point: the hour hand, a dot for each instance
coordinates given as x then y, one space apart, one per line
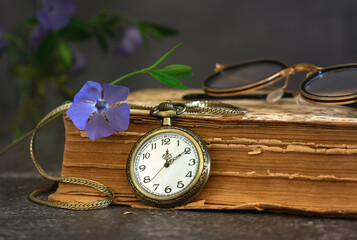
175 158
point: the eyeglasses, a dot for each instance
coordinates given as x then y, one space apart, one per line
335 85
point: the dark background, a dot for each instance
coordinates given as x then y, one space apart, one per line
318 32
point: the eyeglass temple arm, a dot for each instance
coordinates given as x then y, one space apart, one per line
290 70
219 67
287 72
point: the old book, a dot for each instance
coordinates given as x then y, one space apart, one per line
278 157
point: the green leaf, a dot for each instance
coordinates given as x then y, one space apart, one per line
32 21
163 57
176 68
17 133
78 23
165 30
147 29
100 17
167 79
27 72
110 32
66 54
112 21
103 21
182 75
159 30
46 49
145 39
75 34
102 42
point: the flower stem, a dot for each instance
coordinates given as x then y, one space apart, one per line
17 141
163 57
145 70
124 16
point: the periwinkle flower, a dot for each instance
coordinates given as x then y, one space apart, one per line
106 118
128 41
55 14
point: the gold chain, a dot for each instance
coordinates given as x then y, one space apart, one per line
193 107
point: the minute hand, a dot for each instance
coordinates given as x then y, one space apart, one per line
174 158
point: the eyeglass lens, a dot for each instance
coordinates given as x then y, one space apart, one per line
333 83
244 74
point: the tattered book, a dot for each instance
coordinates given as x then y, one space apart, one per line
277 157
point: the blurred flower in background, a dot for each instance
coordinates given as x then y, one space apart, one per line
128 41
44 52
55 14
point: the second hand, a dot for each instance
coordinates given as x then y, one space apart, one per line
158 172
166 157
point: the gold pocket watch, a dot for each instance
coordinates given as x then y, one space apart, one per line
169 165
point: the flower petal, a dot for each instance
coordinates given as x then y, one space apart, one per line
128 40
58 13
91 91
124 47
134 35
119 116
79 113
43 19
113 93
98 127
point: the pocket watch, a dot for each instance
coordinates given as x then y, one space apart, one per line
169 165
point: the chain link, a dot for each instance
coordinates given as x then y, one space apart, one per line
212 107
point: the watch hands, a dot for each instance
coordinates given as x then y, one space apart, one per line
175 158
157 173
167 156
168 161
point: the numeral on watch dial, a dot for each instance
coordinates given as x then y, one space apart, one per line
167 164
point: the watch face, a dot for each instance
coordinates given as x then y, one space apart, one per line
168 166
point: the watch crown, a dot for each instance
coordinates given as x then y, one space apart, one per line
165 106
168 109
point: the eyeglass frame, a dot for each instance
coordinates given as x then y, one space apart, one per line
286 72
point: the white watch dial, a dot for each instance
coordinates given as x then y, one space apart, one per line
166 164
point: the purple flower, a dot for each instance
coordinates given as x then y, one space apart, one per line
128 41
3 43
55 14
106 119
